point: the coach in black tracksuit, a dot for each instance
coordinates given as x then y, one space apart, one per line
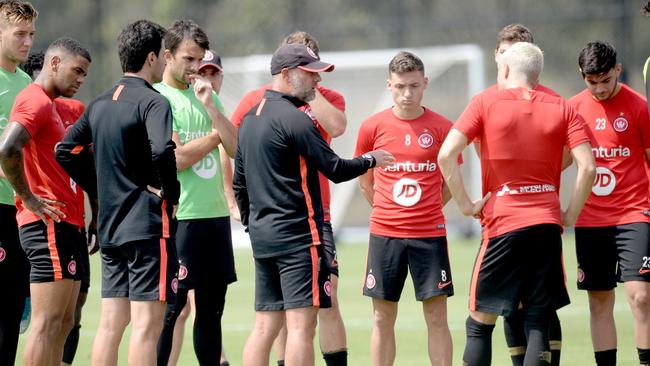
276 184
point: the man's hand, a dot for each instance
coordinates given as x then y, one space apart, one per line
568 219
475 208
158 192
202 90
44 208
93 243
382 158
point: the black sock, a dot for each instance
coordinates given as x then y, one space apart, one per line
513 327
606 358
555 339
478 350
339 358
71 343
280 362
538 352
167 334
644 356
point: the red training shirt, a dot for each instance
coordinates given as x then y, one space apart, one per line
37 113
253 98
522 137
621 133
70 110
407 200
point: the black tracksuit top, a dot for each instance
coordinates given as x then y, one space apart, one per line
130 130
279 154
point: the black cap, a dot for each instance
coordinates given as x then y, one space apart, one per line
211 59
294 55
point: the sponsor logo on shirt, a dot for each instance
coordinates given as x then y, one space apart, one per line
532 188
425 140
602 152
407 192
206 168
605 182
410 167
620 124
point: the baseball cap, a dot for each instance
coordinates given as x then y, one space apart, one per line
294 55
211 59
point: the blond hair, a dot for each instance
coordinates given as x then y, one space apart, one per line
526 61
14 11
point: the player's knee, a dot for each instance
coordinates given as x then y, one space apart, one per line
640 301
384 317
600 303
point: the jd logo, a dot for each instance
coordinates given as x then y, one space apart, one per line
605 182
407 192
206 168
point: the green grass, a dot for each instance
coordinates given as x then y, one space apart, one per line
410 328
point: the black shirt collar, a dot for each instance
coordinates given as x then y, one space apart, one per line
272 94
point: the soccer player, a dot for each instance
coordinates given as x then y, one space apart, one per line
70 110
613 230
17 20
513 326
327 110
407 227
523 133
203 239
276 184
131 169
212 70
645 10
49 221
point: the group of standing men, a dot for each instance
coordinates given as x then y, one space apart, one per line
151 153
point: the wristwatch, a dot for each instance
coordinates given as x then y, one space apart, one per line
371 159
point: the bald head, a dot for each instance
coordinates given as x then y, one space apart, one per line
522 62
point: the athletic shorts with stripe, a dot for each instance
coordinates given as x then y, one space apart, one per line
85 258
522 266
55 251
295 280
205 255
329 248
607 255
389 260
143 270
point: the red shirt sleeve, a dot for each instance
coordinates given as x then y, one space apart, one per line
470 123
248 101
365 138
31 111
576 133
333 97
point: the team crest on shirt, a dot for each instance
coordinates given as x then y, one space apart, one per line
425 140
581 275
182 272
3 254
72 267
327 287
620 124
371 282
174 285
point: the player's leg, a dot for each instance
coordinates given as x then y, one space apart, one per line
115 313
513 328
386 270
72 340
153 266
179 333
146 325
14 266
210 302
478 346
280 344
223 361
258 346
555 339
269 313
301 328
333 343
597 258
428 261
168 332
634 262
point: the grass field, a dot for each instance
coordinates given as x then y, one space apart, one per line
410 328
